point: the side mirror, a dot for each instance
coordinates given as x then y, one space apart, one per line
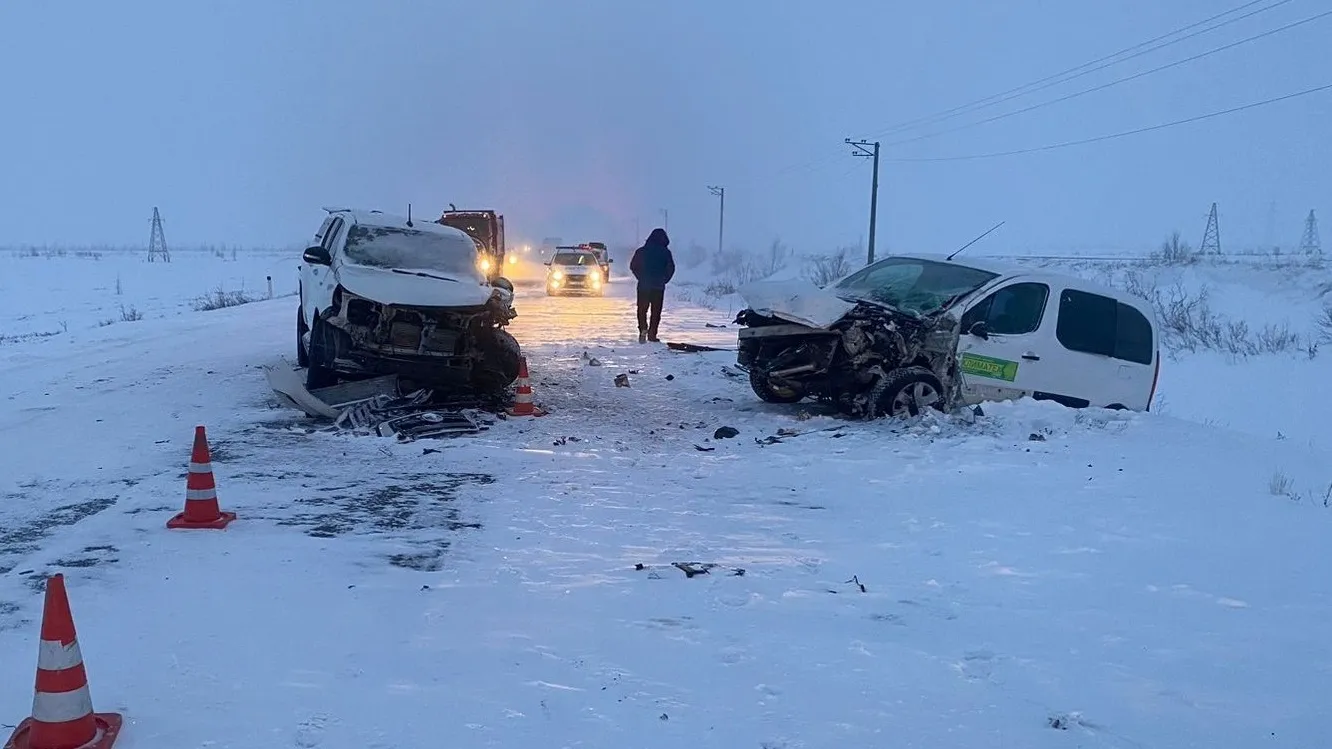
503 283
980 330
317 255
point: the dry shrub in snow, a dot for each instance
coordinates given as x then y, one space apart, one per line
220 299
826 269
1325 325
1188 322
1175 251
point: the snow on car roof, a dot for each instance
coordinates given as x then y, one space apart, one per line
379 218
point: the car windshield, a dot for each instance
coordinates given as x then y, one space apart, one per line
411 250
919 286
573 258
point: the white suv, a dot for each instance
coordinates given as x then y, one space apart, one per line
382 294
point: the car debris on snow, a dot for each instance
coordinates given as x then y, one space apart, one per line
622 380
725 433
693 348
691 569
376 406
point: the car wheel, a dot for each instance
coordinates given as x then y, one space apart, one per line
302 356
770 393
906 392
501 356
323 350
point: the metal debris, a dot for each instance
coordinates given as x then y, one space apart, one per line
376 406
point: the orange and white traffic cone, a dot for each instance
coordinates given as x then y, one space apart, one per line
201 510
522 401
62 713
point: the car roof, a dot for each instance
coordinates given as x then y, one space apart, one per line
379 218
1012 270
979 262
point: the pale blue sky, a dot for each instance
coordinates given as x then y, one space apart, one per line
241 118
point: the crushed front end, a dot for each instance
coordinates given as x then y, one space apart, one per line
848 362
451 347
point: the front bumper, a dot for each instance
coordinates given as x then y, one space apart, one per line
575 285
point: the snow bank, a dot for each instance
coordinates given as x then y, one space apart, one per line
50 295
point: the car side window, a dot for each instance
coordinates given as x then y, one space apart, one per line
322 234
330 237
1012 310
1133 336
1096 324
1087 322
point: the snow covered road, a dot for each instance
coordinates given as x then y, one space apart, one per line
1041 578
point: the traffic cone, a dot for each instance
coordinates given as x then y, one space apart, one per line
201 510
522 401
62 713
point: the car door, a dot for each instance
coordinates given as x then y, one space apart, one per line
1108 349
1004 351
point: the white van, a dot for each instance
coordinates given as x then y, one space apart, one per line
911 331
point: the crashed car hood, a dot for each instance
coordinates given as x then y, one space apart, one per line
409 289
796 301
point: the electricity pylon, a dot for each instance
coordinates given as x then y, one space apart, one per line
157 246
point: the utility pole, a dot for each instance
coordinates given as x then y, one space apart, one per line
157 246
1211 244
665 220
720 192
862 149
1310 243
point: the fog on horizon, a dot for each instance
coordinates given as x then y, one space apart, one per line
586 120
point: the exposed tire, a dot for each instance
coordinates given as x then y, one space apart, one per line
302 356
501 356
770 393
323 350
906 392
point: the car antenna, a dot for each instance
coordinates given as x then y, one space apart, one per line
974 241
409 215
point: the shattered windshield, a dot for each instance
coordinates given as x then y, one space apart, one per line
410 249
919 286
573 258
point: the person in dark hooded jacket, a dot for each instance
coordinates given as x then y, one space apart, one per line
653 266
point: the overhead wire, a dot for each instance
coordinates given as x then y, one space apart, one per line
1108 60
1124 134
1117 81
812 165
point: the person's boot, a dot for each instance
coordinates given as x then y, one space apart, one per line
642 336
652 336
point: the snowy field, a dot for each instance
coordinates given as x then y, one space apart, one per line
1036 577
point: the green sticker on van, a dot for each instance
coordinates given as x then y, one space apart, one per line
988 366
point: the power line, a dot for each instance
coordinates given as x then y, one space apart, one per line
1117 81
812 164
1124 134
1049 81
